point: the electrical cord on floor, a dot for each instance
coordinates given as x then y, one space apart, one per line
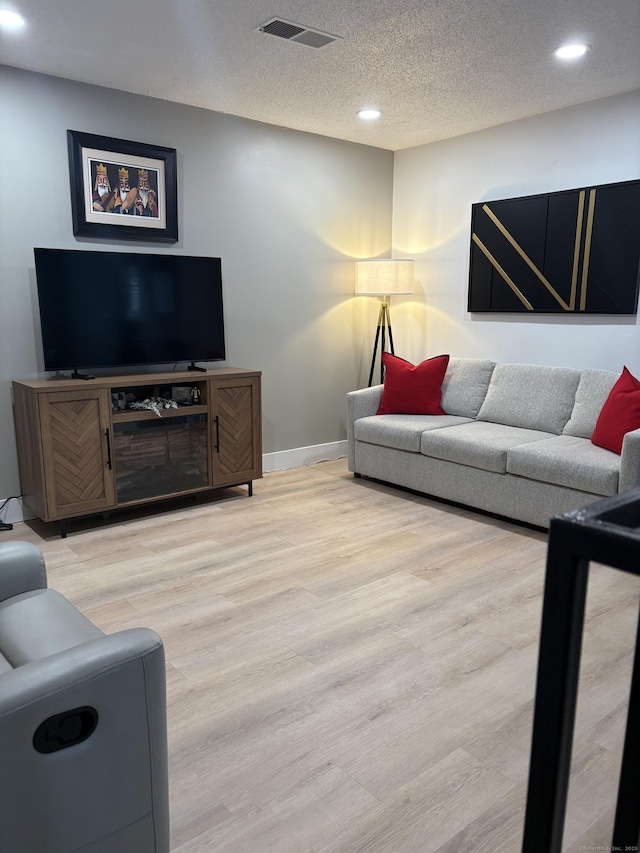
5 525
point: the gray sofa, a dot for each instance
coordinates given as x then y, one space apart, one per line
83 739
515 441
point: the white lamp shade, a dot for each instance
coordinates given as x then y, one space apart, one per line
384 277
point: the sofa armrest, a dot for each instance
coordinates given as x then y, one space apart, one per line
22 569
123 762
360 404
630 462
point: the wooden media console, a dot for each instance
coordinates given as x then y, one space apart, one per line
83 450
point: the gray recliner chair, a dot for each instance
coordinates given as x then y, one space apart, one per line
83 735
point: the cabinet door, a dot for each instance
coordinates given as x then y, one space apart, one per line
236 444
76 436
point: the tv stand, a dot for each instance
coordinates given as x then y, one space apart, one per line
194 366
77 375
81 453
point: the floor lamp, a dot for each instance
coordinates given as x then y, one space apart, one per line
383 278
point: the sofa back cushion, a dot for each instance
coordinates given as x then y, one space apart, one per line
465 386
531 396
593 390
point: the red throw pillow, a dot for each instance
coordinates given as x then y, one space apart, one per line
620 413
412 389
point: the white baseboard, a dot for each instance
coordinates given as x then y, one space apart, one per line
278 461
299 456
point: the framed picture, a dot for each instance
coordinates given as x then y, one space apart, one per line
122 190
572 252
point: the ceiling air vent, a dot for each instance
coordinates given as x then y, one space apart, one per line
294 32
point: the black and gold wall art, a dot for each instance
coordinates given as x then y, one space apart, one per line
570 252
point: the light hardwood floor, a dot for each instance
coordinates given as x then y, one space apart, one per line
350 668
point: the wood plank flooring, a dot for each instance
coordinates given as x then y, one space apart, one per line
350 668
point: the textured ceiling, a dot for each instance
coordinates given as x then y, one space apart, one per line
436 68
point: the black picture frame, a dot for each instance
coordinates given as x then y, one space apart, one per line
149 214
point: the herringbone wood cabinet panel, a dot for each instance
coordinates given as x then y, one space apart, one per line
237 451
75 435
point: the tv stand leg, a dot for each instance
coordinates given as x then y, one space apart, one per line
194 366
250 488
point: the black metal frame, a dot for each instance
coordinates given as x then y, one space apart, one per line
384 324
607 532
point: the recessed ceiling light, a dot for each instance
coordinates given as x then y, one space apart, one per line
369 114
571 51
10 20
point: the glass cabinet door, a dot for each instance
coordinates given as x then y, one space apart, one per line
158 457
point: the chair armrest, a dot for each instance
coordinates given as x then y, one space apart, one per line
122 763
360 404
630 462
22 569
76 671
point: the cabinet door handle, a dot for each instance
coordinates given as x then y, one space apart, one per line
217 423
108 438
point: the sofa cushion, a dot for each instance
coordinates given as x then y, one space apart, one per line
5 666
568 461
412 389
479 444
620 413
37 624
401 431
530 396
593 390
465 386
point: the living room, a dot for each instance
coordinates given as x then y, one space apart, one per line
289 212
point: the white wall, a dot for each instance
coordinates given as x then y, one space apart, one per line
434 188
286 211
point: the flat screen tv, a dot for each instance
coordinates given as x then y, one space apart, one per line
116 309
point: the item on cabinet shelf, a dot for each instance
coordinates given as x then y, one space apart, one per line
181 394
118 401
195 395
154 404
